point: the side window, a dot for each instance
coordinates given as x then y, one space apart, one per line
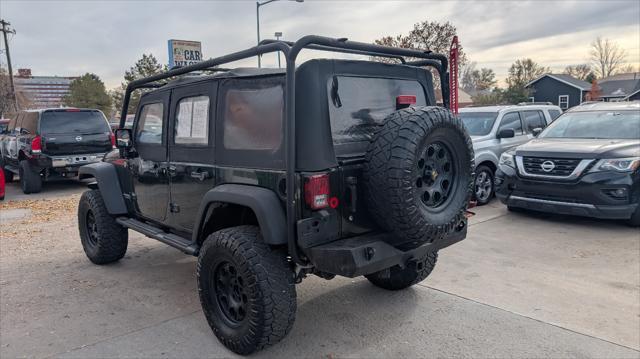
29 123
533 119
192 121
554 114
253 117
150 127
511 120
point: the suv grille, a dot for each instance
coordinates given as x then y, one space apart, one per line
561 167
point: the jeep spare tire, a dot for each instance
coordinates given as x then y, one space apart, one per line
418 174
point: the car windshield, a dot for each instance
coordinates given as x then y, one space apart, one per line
478 123
81 122
595 125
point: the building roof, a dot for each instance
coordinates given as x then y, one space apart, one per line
621 85
566 79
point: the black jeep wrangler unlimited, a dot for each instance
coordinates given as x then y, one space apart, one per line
335 167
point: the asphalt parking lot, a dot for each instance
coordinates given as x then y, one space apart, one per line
520 285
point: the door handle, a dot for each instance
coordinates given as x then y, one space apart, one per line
199 175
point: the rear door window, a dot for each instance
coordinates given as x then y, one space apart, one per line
192 121
511 120
534 119
358 105
73 122
554 114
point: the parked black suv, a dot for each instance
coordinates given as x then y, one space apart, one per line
334 167
41 145
587 162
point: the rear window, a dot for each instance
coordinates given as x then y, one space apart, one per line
358 105
81 122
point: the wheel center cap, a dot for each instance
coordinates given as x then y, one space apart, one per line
434 175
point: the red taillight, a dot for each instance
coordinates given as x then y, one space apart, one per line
36 144
73 110
316 191
404 101
113 140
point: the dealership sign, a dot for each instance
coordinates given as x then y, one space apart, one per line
184 53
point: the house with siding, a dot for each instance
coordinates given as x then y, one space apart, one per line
621 87
559 89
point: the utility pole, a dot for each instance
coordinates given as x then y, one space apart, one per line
5 31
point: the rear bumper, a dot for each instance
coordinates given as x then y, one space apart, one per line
64 164
371 253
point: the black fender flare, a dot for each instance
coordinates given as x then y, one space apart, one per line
107 177
265 204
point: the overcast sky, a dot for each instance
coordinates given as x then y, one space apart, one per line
69 38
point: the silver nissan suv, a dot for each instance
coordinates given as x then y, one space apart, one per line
496 129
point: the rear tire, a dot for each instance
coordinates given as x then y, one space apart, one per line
8 175
103 239
483 185
246 289
396 278
30 179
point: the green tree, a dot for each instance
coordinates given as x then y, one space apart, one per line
521 73
425 35
88 91
477 80
146 66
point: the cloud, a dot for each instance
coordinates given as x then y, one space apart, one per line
106 37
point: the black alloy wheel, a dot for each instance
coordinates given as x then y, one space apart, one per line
435 175
230 294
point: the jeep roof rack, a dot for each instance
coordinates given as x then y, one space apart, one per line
291 50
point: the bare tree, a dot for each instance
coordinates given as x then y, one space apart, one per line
474 80
580 72
607 57
627 69
425 35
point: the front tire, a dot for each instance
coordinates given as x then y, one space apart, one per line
397 278
103 239
30 179
246 289
483 185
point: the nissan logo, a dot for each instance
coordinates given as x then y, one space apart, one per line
78 138
547 166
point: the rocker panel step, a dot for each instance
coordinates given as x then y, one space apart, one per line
183 244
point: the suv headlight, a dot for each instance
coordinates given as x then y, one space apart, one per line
617 164
506 159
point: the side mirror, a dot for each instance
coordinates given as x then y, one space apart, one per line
506 133
123 138
536 131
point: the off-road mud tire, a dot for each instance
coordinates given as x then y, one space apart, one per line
266 289
396 278
392 167
103 239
